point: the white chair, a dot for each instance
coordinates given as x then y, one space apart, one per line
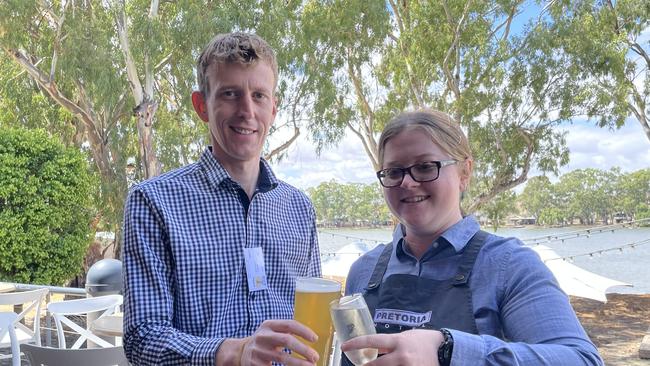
16 332
63 309
7 319
79 357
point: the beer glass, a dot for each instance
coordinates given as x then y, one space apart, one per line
352 319
311 306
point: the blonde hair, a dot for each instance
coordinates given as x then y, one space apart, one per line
241 48
443 130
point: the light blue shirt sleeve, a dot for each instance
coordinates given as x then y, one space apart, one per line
538 322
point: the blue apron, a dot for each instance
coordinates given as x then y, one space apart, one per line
404 301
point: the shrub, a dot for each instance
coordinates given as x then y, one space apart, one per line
45 200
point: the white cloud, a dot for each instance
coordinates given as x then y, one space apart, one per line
347 163
591 147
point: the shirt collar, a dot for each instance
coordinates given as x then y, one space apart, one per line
458 235
218 175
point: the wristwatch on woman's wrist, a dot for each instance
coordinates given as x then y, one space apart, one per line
446 348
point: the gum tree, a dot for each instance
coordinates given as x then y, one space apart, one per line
116 78
609 42
505 87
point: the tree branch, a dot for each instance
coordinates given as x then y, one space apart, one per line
285 145
451 80
415 89
501 183
131 69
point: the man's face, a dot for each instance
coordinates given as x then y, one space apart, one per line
239 111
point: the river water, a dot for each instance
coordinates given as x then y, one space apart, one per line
627 264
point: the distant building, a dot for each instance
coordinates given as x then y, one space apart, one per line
620 217
519 220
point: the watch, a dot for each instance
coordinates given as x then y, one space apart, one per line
446 348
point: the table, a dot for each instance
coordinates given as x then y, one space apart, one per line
6 287
109 325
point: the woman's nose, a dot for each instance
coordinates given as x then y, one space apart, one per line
408 181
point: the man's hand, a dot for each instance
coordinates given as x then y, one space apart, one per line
417 347
266 345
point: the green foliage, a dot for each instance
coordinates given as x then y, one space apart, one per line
498 209
537 195
45 200
349 204
633 194
344 64
587 195
459 57
604 45
90 73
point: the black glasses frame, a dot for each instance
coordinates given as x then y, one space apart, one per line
384 172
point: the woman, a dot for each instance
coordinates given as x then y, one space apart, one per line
444 292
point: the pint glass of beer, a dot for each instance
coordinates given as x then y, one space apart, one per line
311 308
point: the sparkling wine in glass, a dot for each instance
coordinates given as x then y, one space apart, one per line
351 319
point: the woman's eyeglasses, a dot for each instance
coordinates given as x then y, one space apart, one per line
421 172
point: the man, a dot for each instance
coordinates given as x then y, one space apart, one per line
211 250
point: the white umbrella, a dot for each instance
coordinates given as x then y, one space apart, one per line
574 280
338 264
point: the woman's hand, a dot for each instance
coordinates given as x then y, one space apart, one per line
416 347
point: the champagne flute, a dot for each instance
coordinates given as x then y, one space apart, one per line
351 319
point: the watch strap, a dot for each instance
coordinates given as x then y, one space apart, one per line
446 348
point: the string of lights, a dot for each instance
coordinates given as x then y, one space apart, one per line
333 254
353 237
600 252
588 232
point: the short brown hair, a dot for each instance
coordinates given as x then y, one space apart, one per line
241 48
443 130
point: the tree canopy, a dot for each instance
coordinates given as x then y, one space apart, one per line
462 58
588 195
609 43
114 78
349 204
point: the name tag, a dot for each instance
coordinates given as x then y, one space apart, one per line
255 271
402 317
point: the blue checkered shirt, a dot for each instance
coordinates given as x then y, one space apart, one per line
184 274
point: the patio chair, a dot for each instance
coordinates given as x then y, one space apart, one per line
12 331
62 312
7 319
81 357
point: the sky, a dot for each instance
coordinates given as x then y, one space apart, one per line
589 146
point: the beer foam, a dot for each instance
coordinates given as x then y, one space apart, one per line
316 284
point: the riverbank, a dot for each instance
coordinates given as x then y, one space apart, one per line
616 327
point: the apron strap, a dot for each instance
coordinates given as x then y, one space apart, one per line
380 267
469 257
464 269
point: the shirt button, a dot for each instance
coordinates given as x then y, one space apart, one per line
459 277
435 245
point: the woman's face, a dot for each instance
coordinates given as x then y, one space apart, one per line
428 208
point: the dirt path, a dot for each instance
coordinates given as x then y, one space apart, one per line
616 327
